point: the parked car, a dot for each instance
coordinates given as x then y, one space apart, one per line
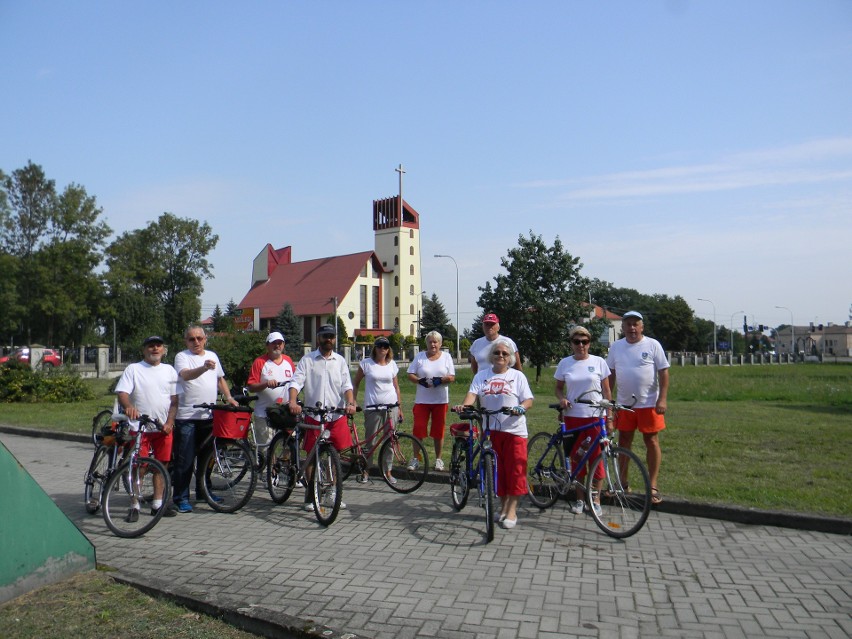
50 359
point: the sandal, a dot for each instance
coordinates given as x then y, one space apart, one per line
656 498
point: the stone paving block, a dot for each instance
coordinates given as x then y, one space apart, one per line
408 566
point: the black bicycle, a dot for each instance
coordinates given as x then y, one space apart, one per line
130 491
319 470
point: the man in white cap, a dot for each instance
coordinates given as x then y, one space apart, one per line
642 370
269 378
481 347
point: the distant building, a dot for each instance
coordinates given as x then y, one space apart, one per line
831 339
375 292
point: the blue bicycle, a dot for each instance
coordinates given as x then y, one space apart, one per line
616 509
474 462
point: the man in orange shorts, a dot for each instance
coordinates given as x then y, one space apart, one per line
642 370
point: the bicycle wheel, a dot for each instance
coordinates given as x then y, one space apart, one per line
281 469
622 512
547 470
98 422
487 484
229 475
93 482
126 501
394 457
327 484
459 485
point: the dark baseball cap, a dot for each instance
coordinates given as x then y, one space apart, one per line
325 329
381 341
154 339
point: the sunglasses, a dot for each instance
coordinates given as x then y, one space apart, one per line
194 339
501 354
382 346
580 341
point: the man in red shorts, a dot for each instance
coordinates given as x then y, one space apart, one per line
642 371
149 388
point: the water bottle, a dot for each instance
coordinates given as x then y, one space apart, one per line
581 451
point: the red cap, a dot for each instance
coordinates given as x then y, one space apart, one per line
490 318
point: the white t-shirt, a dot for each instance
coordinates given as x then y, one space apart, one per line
378 382
150 389
503 390
201 390
636 366
422 366
581 376
480 348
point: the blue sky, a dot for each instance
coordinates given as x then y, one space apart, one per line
701 149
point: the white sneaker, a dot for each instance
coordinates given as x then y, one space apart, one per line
308 507
414 464
576 507
508 524
391 479
439 464
597 509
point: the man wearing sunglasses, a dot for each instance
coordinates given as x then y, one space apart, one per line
642 369
200 378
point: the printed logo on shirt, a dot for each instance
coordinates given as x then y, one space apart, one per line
646 355
591 369
497 386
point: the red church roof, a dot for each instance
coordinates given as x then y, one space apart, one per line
308 286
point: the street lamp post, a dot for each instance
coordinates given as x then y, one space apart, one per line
701 299
792 332
458 323
732 335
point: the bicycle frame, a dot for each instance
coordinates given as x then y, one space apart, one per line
477 448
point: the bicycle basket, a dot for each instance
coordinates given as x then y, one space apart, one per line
231 422
115 433
279 417
462 429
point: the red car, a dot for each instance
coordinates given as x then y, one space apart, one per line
50 359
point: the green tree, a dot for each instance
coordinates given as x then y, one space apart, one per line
538 299
237 352
434 318
291 327
161 266
56 242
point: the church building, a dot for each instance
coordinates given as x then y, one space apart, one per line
374 292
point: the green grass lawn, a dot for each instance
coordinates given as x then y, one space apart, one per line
769 437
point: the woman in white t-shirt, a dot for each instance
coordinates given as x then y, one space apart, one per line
381 387
498 386
431 370
584 375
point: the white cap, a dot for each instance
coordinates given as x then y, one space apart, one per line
274 337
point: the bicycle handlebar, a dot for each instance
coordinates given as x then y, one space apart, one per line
380 406
143 420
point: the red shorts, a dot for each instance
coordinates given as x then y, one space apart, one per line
422 414
340 438
511 463
579 438
647 420
159 443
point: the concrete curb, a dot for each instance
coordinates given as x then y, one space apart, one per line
257 620
737 514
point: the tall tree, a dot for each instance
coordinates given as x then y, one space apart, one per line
57 242
434 318
538 299
291 327
163 266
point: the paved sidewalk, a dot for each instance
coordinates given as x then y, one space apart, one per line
397 566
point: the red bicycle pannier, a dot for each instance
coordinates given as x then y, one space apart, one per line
231 422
